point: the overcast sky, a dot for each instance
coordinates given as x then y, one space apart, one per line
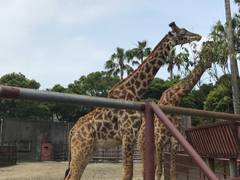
57 41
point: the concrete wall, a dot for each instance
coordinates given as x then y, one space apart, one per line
28 135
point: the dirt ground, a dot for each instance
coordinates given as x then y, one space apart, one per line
55 171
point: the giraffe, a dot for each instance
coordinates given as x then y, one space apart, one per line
172 97
106 127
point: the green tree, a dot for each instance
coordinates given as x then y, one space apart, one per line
158 86
220 97
178 60
65 112
19 80
22 108
232 57
136 55
228 36
117 65
94 84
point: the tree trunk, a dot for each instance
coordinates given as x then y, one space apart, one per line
233 61
171 74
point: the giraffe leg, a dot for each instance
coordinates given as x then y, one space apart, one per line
159 132
159 160
81 151
173 155
127 146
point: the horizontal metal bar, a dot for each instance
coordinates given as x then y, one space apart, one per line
202 113
48 96
189 149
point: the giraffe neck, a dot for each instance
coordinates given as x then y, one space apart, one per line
135 85
173 95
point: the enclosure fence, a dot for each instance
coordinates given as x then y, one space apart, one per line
149 109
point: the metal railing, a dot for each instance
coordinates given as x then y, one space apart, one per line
48 96
149 108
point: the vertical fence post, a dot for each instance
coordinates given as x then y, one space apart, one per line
149 145
1 130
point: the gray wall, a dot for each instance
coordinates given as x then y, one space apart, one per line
22 131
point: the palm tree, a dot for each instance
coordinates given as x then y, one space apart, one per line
233 61
177 60
137 54
219 33
116 64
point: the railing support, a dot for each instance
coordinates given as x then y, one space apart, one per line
149 145
189 149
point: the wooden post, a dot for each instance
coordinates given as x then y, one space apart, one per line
225 169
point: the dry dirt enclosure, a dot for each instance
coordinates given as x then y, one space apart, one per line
55 171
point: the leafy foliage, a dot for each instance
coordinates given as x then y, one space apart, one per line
219 36
179 60
220 97
22 108
65 112
136 55
158 86
117 65
19 80
94 84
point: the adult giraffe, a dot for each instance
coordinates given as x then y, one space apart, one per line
106 127
172 97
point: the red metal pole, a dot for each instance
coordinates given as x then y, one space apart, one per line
174 131
149 145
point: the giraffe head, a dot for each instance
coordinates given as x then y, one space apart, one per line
182 36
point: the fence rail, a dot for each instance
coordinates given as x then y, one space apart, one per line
48 96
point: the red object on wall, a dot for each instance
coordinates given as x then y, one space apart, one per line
46 152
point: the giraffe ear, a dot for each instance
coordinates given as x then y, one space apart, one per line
174 27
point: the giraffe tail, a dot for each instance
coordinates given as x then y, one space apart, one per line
69 154
66 172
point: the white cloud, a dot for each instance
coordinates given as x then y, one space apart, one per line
57 41
28 43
